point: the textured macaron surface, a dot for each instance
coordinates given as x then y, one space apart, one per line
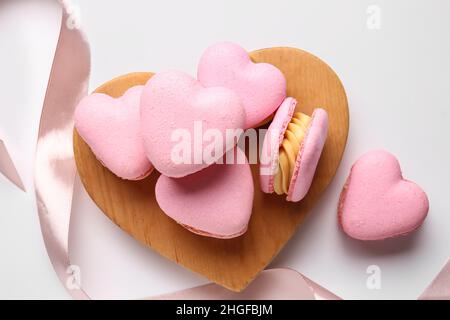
377 203
215 202
110 126
261 86
184 125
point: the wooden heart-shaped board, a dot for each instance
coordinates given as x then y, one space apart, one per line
232 263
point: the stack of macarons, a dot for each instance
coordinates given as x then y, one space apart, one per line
156 126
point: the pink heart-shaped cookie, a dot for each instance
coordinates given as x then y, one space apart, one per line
261 86
111 129
185 125
215 202
377 203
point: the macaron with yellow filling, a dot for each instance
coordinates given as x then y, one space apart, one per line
291 151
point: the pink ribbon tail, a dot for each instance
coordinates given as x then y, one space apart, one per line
320 293
7 167
55 169
272 284
439 289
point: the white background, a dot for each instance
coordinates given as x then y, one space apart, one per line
397 80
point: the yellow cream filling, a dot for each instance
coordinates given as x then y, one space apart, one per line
289 149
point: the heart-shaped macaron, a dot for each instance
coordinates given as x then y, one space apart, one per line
291 151
261 86
185 125
110 126
377 203
215 202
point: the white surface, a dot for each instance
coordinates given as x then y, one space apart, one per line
397 80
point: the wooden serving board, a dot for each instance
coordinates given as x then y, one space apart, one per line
231 263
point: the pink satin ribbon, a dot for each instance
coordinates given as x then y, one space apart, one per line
54 173
439 288
7 167
54 180
272 284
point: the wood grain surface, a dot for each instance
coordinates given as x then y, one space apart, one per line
231 263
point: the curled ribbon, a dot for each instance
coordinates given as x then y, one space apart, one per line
55 172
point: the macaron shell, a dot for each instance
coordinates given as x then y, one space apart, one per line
309 156
377 203
271 145
174 103
261 86
215 202
110 127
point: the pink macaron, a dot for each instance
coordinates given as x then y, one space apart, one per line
377 202
291 151
110 127
184 124
215 202
261 86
